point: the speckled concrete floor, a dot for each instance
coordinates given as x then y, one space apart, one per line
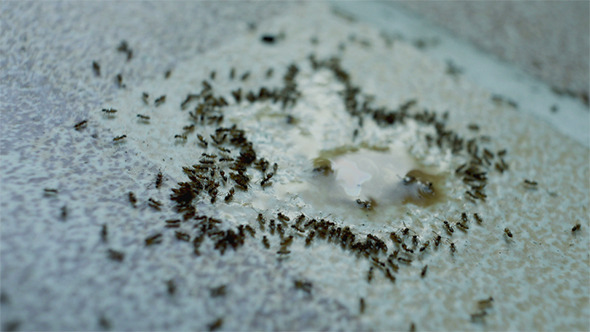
549 39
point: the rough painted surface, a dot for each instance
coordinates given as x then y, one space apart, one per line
548 39
56 273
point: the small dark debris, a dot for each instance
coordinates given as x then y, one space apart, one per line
104 233
216 325
305 286
171 287
116 255
4 298
104 323
268 39
218 291
64 213
96 68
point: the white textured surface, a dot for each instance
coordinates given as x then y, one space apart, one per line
549 39
57 275
571 116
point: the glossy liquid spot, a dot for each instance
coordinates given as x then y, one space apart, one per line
369 183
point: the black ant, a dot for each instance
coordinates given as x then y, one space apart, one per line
477 218
283 217
507 232
485 304
404 260
158 180
424 246
119 79
81 125
171 286
104 233
370 274
160 101
423 273
64 212
132 199
116 255
448 228
203 142
50 191
144 118
218 291
154 204
182 236
437 239
96 68
230 195
216 325
265 242
173 223
530 184
154 239
576 228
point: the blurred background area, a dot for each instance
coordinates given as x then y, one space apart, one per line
535 55
548 39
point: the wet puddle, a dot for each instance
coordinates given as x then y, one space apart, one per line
369 183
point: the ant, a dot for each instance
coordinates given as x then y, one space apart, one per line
216 325
576 228
426 244
50 191
265 242
132 199
154 204
104 233
158 180
96 68
116 255
437 239
508 232
477 218
145 118
154 239
81 125
530 184
160 100
448 228
230 195
119 79
182 236
423 273
218 291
